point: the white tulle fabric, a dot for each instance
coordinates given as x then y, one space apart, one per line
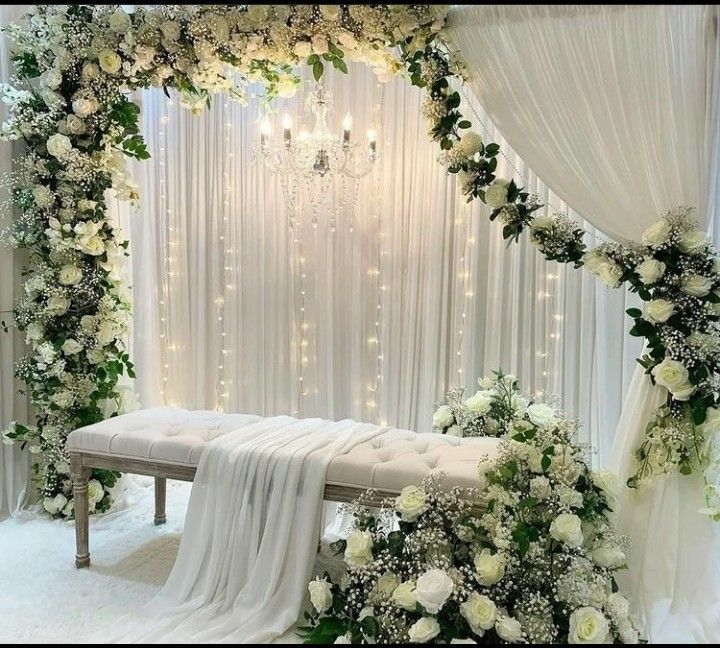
615 107
250 537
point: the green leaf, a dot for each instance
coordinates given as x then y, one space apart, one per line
339 64
318 69
326 631
491 150
634 312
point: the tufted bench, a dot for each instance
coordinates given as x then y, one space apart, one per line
167 442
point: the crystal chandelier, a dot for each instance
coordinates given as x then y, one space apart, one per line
320 152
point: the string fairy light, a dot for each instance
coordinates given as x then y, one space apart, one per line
546 295
165 344
373 400
223 383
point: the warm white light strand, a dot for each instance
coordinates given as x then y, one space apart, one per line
165 344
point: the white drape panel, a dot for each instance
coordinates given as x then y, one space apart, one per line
13 462
428 237
616 109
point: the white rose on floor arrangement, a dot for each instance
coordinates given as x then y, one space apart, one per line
528 556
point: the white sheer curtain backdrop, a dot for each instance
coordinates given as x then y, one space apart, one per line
616 109
13 462
456 302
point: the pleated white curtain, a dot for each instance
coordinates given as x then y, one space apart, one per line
217 294
13 462
616 108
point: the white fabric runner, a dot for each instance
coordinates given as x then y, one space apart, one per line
250 536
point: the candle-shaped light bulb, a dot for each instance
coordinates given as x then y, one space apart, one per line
264 132
347 125
372 141
287 129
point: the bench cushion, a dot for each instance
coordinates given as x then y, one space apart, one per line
388 462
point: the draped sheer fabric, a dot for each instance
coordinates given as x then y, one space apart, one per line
553 327
616 108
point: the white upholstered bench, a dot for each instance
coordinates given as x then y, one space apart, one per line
167 442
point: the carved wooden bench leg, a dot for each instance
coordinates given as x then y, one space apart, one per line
80 478
160 490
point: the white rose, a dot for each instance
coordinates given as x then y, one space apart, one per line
454 430
404 596
684 392
470 143
671 374
387 584
92 245
609 555
610 273
411 503
463 641
320 594
463 179
343 639
480 612
541 223
302 49
59 146
54 505
520 403
320 44
170 30
443 417
71 347
540 488
697 285
588 625
75 125
567 528
358 551
69 275
489 567
659 310
87 323
650 271
84 107
593 260
46 352
433 588
534 458
119 21
330 12
509 629
423 630
58 305
42 196
496 194
95 492
34 332
655 235
479 402
109 61
608 482
106 332
693 241
51 78
541 414
90 71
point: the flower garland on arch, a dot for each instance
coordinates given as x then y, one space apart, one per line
75 66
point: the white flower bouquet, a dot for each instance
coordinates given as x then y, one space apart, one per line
490 411
529 556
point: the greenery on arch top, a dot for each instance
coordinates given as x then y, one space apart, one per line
69 102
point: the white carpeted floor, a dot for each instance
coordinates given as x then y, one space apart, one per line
45 599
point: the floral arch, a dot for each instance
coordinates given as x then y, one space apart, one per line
69 103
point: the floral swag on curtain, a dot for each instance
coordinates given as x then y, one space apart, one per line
75 66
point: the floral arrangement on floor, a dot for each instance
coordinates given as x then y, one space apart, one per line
528 556
75 66
490 411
